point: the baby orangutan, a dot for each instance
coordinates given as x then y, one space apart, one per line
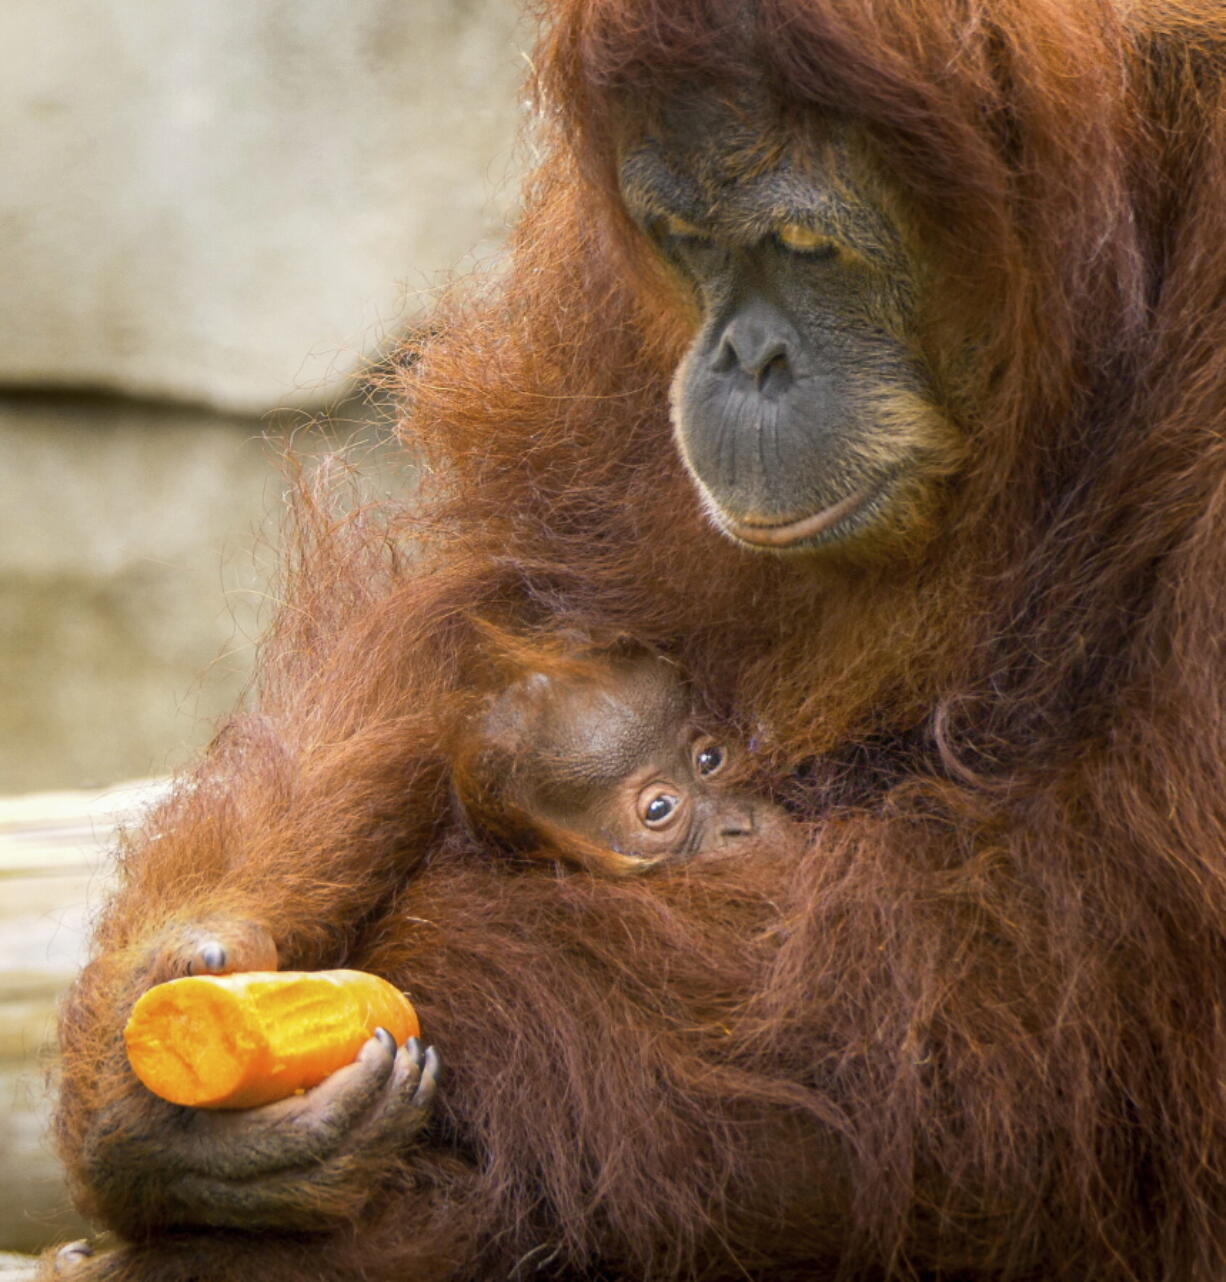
606 763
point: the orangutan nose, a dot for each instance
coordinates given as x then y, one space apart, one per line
737 820
757 345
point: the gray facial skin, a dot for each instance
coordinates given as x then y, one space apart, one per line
802 409
618 758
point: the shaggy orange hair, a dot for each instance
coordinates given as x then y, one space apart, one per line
977 1028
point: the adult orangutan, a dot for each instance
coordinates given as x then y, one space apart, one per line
937 289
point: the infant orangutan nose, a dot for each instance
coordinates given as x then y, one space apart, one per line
736 820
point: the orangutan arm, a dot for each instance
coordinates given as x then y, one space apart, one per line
289 842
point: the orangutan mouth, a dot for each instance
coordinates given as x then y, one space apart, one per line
787 533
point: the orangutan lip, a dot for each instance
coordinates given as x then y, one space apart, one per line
788 532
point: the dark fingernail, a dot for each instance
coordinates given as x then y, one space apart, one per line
213 957
413 1046
386 1040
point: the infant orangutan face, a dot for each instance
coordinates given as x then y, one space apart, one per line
619 759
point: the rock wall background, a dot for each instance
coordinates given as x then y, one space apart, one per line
233 204
210 213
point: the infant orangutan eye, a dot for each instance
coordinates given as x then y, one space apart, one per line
659 809
709 759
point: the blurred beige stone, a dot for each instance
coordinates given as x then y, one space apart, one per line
137 543
233 204
131 581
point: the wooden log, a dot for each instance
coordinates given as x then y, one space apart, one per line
54 874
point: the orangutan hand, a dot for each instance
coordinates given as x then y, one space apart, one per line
300 1163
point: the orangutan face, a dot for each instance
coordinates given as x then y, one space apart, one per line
803 409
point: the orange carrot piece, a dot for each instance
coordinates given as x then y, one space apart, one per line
235 1041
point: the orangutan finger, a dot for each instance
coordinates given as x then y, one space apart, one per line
70 1257
424 1097
209 959
303 1128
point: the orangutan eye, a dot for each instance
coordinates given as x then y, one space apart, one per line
669 227
709 759
660 809
800 239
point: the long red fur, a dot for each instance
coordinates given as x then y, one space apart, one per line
976 1028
